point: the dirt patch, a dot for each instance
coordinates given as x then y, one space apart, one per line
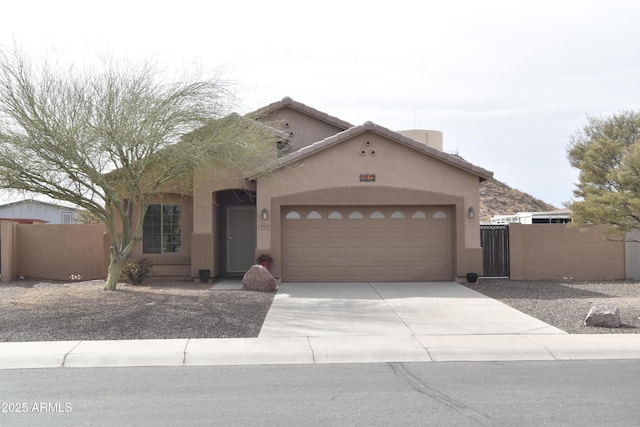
53 311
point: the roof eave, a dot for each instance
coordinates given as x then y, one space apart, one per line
287 102
309 150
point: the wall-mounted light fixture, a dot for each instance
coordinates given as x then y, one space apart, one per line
265 214
471 213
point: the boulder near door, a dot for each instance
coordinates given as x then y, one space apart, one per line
337 243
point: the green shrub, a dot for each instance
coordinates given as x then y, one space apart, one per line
137 270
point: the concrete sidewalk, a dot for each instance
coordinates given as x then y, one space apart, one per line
350 323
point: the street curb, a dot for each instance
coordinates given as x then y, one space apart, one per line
317 350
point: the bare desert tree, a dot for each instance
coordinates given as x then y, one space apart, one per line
112 138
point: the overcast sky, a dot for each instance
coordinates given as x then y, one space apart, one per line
507 81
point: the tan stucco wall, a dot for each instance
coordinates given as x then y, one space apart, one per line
8 245
204 187
403 177
632 255
205 247
302 129
559 251
58 252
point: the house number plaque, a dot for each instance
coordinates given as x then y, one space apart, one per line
368 177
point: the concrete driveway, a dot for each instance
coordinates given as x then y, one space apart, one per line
392 309
349 323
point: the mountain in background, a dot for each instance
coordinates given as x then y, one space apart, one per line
497 198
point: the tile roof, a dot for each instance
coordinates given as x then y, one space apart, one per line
36 202
304 152
299 106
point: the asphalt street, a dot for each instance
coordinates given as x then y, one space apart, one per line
534 393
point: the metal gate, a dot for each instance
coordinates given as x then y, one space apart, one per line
494 240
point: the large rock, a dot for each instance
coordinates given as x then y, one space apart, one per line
258 278
606 316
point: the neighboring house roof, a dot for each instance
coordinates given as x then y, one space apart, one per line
299 106
307 151
35 211
38 203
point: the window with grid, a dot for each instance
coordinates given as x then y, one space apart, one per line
161 231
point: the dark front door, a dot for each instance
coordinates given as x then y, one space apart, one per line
241 238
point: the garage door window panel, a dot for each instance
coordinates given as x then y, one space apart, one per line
356 215
335 215
398 215
314 215
293 215
418 215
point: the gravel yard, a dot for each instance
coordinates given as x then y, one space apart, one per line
34 310
565 304
47 311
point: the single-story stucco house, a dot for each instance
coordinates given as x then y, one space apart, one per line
345 203
31 211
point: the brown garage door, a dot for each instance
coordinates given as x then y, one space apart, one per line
370 243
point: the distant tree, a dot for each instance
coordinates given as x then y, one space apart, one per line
607 153
86 217
112 139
